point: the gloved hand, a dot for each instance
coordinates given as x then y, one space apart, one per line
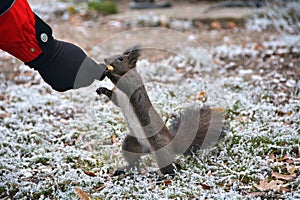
63 65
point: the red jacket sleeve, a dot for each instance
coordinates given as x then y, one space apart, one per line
18 33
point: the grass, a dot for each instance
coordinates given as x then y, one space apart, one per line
104 6
63 156
52 143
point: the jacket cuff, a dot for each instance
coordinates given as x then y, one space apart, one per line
5 6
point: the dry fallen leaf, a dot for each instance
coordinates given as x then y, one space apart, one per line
283 159
290 161
4 115
202 96
114 139
90 174
27 73
81 194
287 159
264 185
216 25
100 188
167 182
231 25
283 177
291 169
259 47
152 184
2 97
272 157
284 189
217 62
199 25
275 185
205 187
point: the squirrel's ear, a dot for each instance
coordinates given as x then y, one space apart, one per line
133 54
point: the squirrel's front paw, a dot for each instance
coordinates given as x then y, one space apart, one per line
105 91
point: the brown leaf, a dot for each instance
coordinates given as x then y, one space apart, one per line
255 194
27 73
152 184
81 194
287 159
167 182
199 25
283 159
2 97
284 189
259 47
291 169
283 177
271 157
92 174
202 96
114 139
264 185
100 188
217 62
4 115
231 25
205 187
216 25
290 161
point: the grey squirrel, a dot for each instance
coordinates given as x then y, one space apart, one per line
196 128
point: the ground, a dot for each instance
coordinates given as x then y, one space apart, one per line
66 145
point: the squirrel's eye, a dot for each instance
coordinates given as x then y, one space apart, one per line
120 59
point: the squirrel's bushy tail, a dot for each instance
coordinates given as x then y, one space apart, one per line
196 129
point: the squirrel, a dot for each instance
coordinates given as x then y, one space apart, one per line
196 128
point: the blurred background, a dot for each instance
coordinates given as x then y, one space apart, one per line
89 23
53 143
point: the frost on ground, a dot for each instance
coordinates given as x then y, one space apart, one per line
52 144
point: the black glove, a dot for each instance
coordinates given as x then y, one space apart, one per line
63 65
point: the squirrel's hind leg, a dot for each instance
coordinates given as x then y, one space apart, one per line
132 151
